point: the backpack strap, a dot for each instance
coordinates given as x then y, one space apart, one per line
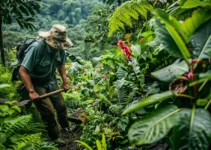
42 43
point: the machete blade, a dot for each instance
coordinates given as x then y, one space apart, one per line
22 103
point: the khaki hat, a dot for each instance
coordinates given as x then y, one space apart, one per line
57 37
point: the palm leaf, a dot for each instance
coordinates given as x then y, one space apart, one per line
154 126
126 12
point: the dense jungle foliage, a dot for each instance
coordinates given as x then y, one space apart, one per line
139 71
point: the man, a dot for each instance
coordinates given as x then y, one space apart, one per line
37 72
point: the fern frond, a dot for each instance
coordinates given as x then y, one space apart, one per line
125 13
27 140
16 125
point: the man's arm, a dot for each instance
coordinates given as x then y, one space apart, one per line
62 72
27 82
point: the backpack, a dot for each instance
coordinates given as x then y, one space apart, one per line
20 54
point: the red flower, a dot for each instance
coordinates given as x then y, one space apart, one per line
125 49
141 39
188 75
121 43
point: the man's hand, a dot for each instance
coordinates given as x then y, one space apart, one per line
66 86
33 95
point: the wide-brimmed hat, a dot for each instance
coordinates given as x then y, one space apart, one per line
57 37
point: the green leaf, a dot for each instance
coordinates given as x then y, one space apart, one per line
195 3
95 61
136 49
149 101
3 137
104 142
165 39
170 20
200 41
198 18
125 13
180 43
84 144
4 108
121 73
193 130
170 72
201 102
3 86
154 126
120 83
99 147
206 51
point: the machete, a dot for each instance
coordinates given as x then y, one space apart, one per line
24 102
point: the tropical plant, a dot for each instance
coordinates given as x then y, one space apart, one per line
100 145
18 132
24 12
126 12
178 113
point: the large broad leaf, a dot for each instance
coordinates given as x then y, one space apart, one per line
170 20
201 41
149 101
166 40
195 3
169 73
193 132
198 18
154 126
180 43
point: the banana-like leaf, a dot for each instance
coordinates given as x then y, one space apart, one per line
193 130
170 20
206 51
165 39
169 73
180 43
154 126
148 101
196 3
198 18
200 41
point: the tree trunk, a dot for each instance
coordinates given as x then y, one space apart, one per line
1 40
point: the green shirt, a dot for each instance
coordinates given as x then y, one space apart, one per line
42 65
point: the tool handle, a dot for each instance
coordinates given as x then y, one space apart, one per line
51 93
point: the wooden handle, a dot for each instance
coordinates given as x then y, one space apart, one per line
51 93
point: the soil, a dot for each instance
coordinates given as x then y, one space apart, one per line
75 133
